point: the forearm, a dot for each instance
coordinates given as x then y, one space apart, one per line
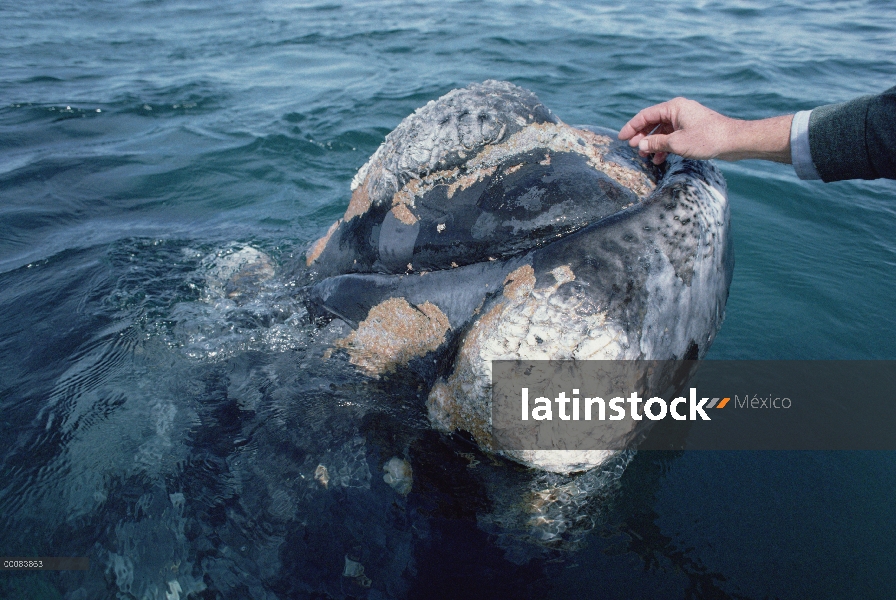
766 139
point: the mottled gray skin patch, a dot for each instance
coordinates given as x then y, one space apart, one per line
485 225
660 269
531 200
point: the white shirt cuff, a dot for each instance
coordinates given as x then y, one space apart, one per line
800 153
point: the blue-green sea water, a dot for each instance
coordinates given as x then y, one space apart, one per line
172 435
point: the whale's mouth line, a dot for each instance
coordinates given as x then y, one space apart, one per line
424 211
662 177
545 237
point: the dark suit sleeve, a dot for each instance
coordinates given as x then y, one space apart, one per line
855 139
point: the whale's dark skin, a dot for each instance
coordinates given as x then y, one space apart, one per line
496 217
485 228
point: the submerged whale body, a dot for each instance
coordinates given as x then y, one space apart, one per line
485 228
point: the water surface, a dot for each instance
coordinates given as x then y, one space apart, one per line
172 435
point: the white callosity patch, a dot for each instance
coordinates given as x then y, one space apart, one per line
528 324
553 446
443 133
398 475
543 326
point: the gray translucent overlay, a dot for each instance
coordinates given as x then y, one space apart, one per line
771 405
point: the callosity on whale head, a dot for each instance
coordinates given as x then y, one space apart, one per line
485 228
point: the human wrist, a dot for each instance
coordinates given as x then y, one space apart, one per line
766 139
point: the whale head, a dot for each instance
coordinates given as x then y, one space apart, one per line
485 228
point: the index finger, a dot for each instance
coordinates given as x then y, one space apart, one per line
645 120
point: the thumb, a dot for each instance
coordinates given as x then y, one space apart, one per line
654 143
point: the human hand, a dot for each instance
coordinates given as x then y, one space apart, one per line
689 129
679 126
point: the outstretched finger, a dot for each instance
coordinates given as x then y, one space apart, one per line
645 121
637 127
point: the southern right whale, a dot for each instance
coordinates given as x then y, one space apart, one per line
485 228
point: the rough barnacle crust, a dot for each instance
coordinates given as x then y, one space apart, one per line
443 134
448 403
404 214
455 403
393 333
519 283
359 204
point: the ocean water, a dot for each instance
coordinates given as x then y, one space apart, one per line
173 435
